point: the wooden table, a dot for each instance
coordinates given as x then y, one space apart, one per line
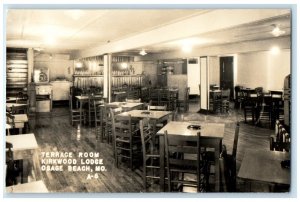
154 116
16 107
126 106
265 166
20 121
211 136
30 187
11 99
10 105
25 147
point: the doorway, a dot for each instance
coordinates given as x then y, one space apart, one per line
226 74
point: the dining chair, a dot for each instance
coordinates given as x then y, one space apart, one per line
224 171
281 140
133 94
277 108
145 94
11 171
22 98
265 111
93 99
151 156
185 102
98 109
215 101
107 122
16 121
225 100
158 108
230 162
126 138
75 113
250 104
154 96
238 97
165 98
184 165
121 97
10 122
227 162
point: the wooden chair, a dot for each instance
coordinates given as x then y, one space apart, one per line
126 139
10 122
75 113
230 162
22 98
150 154
107 122
93 99
265 111
98 109
121 97
180 161
17 121
11 172
216 101
250 104
145 94
154 96
165 98
238 97
185 102
133 94
225 97
277 108
281 140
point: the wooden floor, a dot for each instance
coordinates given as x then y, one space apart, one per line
54 133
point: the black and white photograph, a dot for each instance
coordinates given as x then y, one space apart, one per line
148 100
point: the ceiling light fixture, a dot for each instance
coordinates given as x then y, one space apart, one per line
38 49
275 50
143 52
50 40
277 31
187 48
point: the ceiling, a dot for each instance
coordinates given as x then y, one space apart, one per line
65 31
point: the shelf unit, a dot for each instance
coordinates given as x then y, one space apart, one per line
16 72
86 81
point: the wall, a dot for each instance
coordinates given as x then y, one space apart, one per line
59 65
254 65
214 70
179 81
263 69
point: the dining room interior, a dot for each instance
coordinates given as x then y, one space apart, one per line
149 100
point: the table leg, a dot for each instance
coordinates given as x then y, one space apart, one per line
162 163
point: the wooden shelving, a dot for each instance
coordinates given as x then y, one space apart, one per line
16 72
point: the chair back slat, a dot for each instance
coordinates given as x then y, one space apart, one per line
182 156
